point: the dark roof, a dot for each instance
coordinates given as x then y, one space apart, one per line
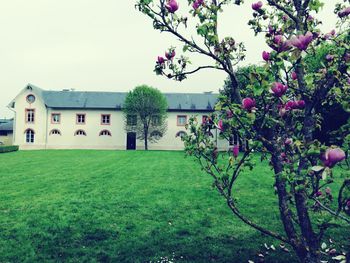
114 100
6 125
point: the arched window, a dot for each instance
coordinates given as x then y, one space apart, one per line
156 134
55 132
80 133
181 134
30 134
105 133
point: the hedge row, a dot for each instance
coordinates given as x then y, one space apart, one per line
6 149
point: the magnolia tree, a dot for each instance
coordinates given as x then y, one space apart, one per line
275 113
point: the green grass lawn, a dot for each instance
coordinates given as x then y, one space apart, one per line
118 206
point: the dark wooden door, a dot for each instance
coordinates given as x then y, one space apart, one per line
131 141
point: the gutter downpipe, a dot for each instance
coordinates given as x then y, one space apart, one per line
47 126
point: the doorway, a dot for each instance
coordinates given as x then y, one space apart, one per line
131 141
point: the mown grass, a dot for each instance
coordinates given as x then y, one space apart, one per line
118 206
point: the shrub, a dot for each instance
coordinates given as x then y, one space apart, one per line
7 149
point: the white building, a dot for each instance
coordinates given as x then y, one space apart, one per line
94 120
6 131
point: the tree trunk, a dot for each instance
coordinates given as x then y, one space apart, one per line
146 141
285 212
145 130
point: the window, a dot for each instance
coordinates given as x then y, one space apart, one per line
155 120
55 132
105 133
80 118
80 133
181 120
29 136
55 118
30 115
156 134
30 98
105 119
131 120
181 134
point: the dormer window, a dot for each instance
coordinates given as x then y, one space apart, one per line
30 98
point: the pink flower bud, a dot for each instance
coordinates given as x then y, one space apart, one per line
310 18
294 75
160 60
248 104
319 193
278 89
257 6
170 55
348 203
172 6
328 190
266 56
344 12
229 114
235 150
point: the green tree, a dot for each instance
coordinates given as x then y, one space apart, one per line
145 113
279 117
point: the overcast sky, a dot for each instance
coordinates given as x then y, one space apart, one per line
101 45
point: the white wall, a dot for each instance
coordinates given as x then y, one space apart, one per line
6 140
20 125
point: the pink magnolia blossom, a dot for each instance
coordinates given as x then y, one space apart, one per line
278 89
310 18
220 125
319 193
300 104
160 60
235 150
295 105
170 55
248 104
347 57
332 156
294 75
257 6
329 57
197 4
302 41
229 114
172 6
344 12
348 203
288 141
280 44
266 56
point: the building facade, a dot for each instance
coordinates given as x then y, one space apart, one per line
94 120
6 131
